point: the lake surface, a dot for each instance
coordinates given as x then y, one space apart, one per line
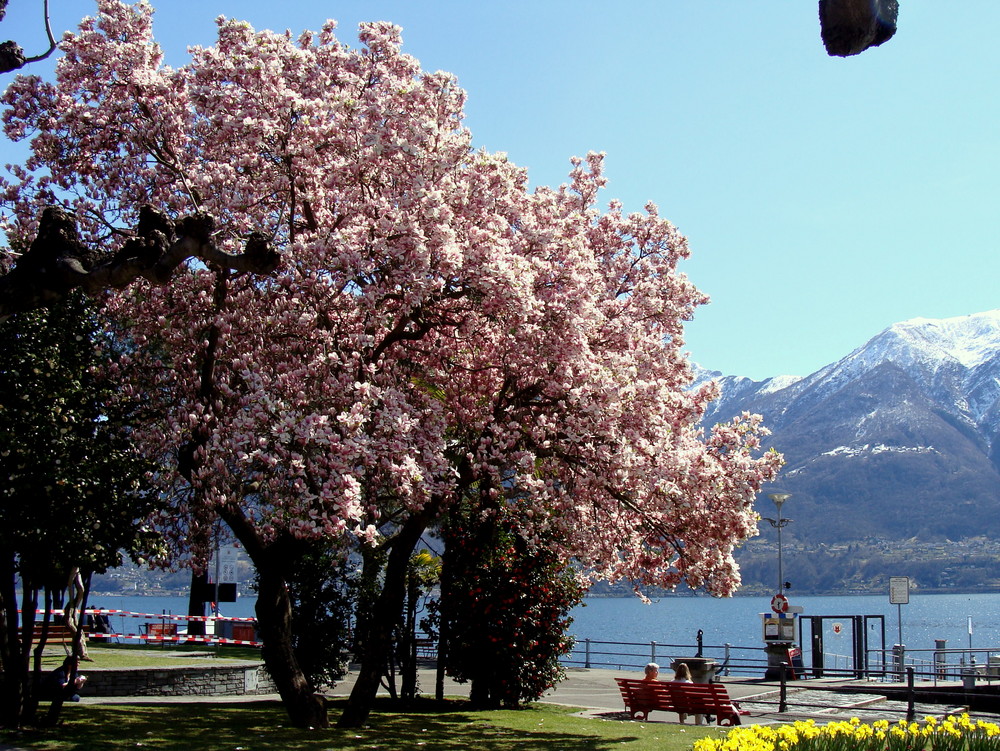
735 621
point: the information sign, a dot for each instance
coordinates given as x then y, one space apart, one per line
899 590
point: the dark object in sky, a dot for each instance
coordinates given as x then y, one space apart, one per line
852 26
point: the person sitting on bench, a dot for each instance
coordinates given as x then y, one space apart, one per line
683 675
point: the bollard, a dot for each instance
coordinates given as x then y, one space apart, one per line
701 650
940 658
899 658
586 659
783 692
726 663
969 675
911 696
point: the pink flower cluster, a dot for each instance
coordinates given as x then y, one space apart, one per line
434 324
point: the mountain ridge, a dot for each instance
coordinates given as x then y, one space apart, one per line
898 440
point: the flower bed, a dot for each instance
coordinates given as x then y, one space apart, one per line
951 734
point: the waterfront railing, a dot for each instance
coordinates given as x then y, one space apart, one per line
970 666
611 655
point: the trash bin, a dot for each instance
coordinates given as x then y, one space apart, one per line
702 668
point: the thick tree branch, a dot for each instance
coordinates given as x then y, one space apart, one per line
849 27
57 261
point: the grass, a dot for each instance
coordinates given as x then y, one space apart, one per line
146 656
429 725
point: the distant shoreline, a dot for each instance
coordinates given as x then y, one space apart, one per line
628 595
830 593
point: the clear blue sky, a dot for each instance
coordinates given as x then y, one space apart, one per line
824 198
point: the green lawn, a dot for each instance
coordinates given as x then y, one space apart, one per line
264 727
145 656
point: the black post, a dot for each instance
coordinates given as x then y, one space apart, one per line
911 696
700 652
196 603
783 694
858 638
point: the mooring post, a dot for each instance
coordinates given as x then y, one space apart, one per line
783 694
911 696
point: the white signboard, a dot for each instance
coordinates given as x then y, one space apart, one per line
899 590
225 566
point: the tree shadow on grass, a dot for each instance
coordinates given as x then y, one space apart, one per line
263 726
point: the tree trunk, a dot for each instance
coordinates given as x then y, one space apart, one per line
442 658
11 696
305 708
386 613
408 645
482 694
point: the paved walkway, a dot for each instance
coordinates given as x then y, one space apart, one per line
820 699
596 692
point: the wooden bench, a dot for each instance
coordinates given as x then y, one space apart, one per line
642 697
59 633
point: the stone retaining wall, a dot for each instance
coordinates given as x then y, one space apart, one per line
232 679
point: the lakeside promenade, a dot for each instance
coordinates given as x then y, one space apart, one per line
596 693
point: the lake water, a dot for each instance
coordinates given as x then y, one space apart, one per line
736 621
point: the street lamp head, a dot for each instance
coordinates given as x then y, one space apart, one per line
779 498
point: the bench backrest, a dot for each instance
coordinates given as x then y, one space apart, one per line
685 697
58 633
694 698
644 694
161 629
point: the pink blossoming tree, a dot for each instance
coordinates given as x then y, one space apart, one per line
433 326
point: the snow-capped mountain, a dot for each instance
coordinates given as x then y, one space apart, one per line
899 439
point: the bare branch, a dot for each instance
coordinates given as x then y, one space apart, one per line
12 56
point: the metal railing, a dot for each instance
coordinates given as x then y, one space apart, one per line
971 666
610 655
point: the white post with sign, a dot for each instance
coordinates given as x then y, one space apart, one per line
899 595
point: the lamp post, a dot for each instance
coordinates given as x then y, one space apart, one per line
778 649
779 499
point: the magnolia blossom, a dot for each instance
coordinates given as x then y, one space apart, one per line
434 325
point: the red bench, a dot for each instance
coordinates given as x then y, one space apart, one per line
158 631
642 697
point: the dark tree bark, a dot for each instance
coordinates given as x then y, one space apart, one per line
57 261
849 27
306 708
386 613
11 684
